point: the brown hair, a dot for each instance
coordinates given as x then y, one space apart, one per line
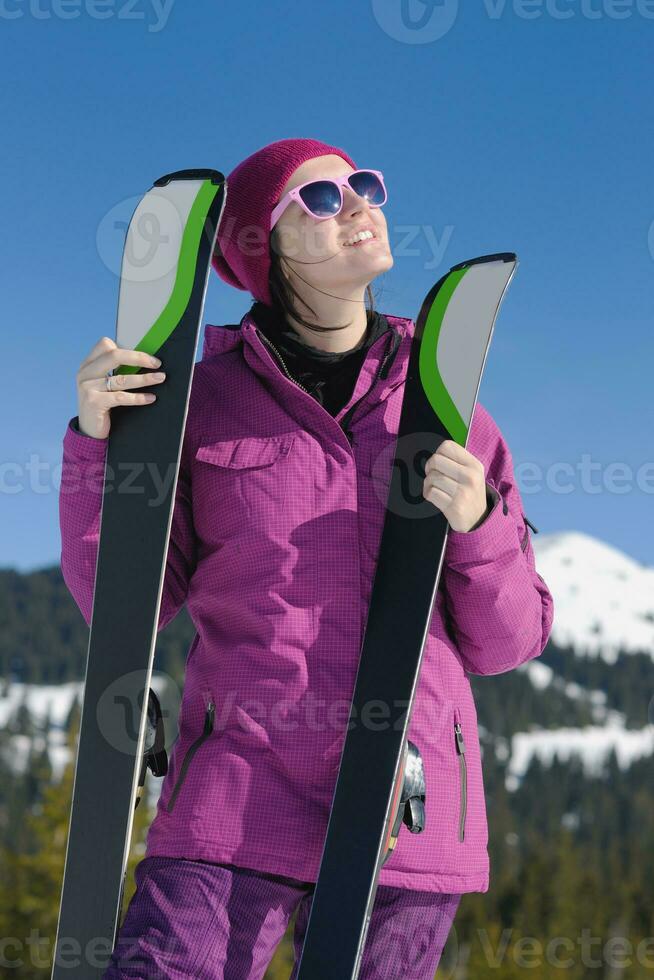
284 294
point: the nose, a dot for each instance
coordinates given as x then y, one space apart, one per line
353 202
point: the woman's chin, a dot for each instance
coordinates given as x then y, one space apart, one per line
377 256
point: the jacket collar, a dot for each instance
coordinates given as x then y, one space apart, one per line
383 369
220 339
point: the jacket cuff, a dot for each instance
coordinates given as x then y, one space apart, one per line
486 537
79 446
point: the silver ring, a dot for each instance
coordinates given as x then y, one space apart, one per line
108 381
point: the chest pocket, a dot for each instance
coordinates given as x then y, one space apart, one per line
240 484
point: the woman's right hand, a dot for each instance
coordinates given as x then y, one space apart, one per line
94 401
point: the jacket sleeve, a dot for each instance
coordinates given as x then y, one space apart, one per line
500 610
80 504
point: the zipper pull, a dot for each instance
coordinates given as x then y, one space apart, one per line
458 734
209 717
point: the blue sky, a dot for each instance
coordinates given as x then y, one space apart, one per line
522 125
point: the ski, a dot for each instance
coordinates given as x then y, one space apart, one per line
164 274
373 789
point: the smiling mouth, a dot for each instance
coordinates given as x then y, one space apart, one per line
364 241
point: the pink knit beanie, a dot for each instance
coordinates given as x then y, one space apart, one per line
242 254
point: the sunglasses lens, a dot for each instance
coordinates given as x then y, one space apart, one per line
322 198
368 185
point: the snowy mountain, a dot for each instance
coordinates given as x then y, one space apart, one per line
603 600
603 607
591 744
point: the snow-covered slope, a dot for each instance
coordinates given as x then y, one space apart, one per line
590 744
39 701
43 701
603 600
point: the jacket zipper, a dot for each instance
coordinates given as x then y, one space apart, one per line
208 728
290 377
281 361
463 780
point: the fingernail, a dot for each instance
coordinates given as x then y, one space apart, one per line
156 361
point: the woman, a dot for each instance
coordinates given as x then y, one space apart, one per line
275 535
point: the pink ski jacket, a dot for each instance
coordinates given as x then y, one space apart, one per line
275 535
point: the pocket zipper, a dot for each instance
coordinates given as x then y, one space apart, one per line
208 728
463 780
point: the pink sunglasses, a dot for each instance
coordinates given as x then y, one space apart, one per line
324 198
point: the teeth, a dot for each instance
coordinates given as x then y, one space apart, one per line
359 237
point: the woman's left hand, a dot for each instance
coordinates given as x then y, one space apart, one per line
455 483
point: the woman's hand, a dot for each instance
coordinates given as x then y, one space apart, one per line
455 483
95 402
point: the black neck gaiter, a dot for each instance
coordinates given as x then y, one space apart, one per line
329 377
